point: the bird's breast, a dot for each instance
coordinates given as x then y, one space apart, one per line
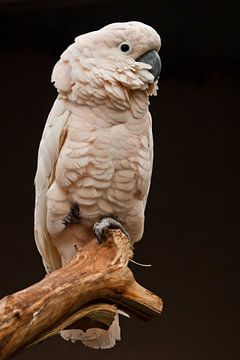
102 168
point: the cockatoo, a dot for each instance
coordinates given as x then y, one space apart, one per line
96 153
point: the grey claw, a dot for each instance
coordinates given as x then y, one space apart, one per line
100 228
97 229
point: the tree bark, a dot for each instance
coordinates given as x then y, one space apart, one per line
89 290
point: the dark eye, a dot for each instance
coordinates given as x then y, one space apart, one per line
125 47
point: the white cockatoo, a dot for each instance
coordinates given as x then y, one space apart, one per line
96 153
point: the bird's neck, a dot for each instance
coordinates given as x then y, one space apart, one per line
115 113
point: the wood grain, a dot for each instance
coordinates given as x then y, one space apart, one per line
88 290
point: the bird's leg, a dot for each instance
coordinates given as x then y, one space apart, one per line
106 223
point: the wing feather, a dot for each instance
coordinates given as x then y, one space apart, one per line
52 140
150 141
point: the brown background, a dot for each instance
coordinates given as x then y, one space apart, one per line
192 219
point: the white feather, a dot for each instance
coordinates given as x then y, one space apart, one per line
150 143
95 338
47 156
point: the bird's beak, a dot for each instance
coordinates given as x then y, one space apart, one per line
152 58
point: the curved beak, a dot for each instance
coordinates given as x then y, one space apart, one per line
152 58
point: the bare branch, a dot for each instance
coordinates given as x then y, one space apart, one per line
88 290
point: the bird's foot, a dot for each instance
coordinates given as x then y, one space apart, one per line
73 217
101 228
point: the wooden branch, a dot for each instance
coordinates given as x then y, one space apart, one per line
88 290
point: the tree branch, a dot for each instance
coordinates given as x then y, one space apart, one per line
88 290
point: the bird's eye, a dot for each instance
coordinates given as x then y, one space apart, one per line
126 47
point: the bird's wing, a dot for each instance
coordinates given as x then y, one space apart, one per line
52 140
150 141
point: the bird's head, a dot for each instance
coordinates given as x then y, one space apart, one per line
109 64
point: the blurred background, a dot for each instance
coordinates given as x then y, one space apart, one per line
192 220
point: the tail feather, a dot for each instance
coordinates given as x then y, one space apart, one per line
95 338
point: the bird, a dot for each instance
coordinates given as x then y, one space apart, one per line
95 156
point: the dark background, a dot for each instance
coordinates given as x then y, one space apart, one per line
192 220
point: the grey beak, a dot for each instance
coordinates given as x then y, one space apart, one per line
152 58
